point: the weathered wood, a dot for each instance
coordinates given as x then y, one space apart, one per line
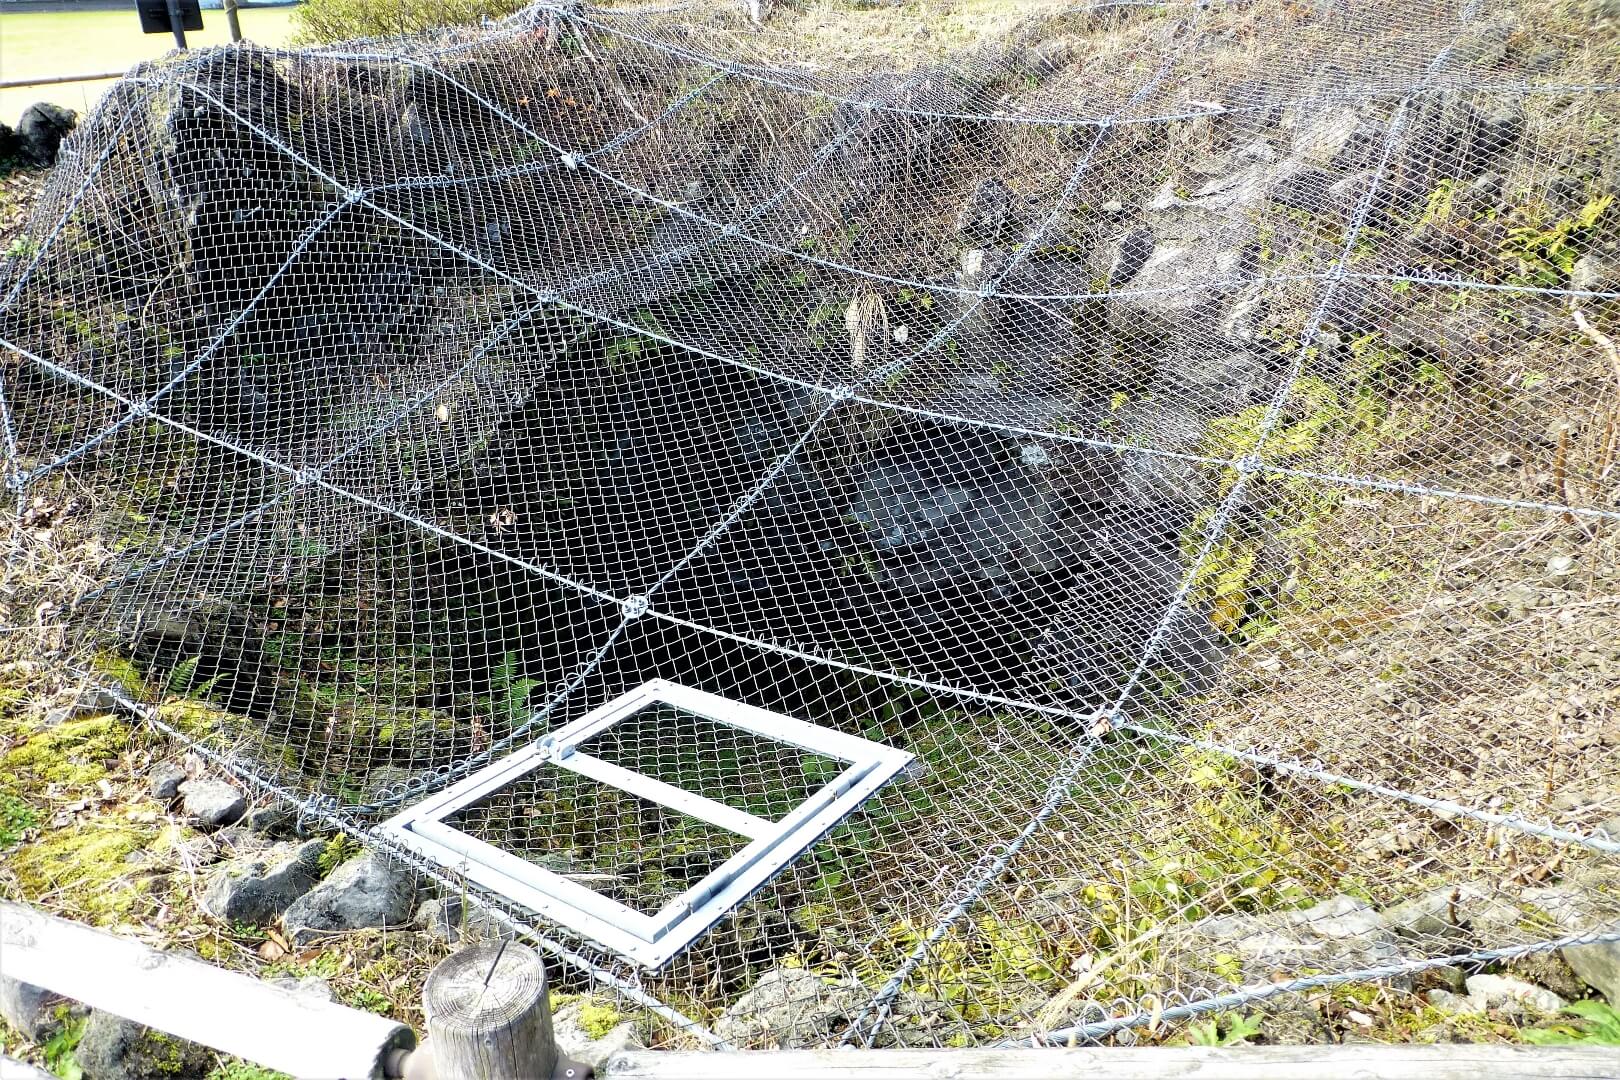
489 1017
1362 1062
301 1034
12 1069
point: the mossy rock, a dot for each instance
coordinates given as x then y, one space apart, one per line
117 1049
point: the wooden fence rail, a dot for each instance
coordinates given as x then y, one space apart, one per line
488 1010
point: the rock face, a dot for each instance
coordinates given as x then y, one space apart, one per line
213 803
41 130
117 1049
256 888
364 892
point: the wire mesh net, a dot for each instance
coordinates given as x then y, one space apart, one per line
1189 429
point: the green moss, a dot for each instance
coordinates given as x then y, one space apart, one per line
598 1018
16 818
120 671
84 867
73 753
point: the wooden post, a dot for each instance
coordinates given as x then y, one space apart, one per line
489 1017
233 20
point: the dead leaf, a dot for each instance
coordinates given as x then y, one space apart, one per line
271 951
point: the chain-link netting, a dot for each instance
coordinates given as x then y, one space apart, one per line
1191 430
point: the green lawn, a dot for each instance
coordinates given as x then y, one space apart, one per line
71 42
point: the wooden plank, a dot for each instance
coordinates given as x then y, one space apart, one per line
12 1069
1362 1062
301 1034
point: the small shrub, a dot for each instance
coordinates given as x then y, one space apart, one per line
321 21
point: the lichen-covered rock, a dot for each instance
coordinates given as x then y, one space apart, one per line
114 1048
212 803
591 1032
255 888
364 892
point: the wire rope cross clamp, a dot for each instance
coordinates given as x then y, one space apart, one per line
634 607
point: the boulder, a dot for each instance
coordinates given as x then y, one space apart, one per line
9 143
930 528
1574 906
41 130
212 803
90 701
452 920
366 891
257 887
1514 996
114 1048
575 1039
30 1010
1339 934
792 1007
1452 914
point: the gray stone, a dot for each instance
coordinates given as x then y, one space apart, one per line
1592 273
1446 1001
165 779
982 220
113 1048
364 892
274 821
29 1009
89 701
1512 995
310 986
255 888
1451 912
41 130
790 1006
575 1042
212 803
1573 906
452 920
1339 934
1134 249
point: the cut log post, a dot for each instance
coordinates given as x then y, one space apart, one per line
489 1017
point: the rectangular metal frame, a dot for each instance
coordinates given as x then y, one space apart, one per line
649 940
